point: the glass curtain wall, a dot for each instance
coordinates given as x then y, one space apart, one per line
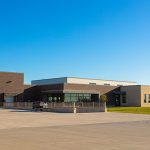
71 97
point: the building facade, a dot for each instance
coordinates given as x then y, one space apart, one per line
68 89
71 89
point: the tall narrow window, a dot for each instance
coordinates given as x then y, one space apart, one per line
145 98
67 98
124 98
50 99
149 98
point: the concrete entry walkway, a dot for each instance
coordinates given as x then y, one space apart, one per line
94 131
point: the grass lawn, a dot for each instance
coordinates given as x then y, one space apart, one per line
135 110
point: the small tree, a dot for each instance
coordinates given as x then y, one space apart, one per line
104 99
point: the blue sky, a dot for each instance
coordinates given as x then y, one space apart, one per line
106 39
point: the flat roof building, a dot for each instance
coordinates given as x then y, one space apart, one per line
67 89
72 89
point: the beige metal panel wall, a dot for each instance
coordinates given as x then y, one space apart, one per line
73 80
133 95
99 82
145 90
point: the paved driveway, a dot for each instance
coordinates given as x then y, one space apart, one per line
93 131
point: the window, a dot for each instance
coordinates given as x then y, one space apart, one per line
145 98
71 98
67 98
50 99
55 99
80 95
86 98
74 97
124 98
149 98
86 95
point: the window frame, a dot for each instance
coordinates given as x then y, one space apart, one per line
124 99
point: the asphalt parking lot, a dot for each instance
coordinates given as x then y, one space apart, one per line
54 131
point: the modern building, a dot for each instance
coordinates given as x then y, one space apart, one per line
72 89
69 89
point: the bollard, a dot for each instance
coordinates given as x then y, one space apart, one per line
74 108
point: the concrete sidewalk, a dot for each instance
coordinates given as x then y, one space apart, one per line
18 119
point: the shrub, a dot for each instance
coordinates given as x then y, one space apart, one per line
104 98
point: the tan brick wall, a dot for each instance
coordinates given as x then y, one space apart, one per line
144 90
133 95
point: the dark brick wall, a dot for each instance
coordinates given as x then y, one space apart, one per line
35 93
54 87
102 89
11 82
32 94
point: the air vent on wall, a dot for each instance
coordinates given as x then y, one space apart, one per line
92 83
107 84
8 82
